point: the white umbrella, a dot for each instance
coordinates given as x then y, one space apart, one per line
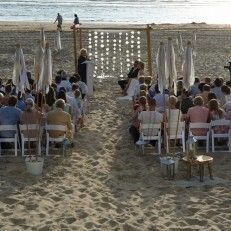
180 44
58 46
171 64
43 37
38 62
19 78
188 67
45 78
194 39
162 68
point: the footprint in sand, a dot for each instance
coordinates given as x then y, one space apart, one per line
70 220
9 201
6 214
18 221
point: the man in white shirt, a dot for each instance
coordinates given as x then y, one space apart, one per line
150 117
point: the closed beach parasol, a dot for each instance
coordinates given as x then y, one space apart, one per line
171 64
188 67
180 43
45 78
38 62
162 68
43 38
19 78
58 46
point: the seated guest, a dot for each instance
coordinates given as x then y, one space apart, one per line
194 90
8 90
173 115
161 100
226 91
31 116
150 117
60 117
227 108
186 102
20 103
207 81
50 96
133 73
216 113
9 115
1 98
82 87
198 114
132 88
67 107
204 94
141 69
217 89
134 128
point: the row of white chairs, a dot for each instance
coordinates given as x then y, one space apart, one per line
177 131
26 128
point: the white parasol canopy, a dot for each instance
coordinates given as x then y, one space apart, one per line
188 67
38 62
180 44
43 37
171 64
58 46
19 78
162 68
45 78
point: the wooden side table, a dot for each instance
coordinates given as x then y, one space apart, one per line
201 161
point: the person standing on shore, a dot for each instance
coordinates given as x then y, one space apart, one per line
75 22
59 19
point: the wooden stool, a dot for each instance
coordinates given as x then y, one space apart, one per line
201 161
189 163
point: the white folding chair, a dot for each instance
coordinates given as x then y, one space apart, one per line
27 128
14 139
175 131
216 135
205 137
59 139
150 132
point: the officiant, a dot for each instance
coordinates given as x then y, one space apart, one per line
82 67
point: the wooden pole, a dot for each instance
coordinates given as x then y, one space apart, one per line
149 52
75 50
80 39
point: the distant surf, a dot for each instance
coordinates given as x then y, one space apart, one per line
130 11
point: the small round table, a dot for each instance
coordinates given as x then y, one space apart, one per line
201 161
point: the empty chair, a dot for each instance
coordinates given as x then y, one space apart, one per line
31 133
201 132
55 133
220 129
175 131
150 132
13 136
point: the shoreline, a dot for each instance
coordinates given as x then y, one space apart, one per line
49 25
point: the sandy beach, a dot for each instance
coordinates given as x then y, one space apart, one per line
106 184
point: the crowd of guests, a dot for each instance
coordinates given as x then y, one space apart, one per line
63 104
206 100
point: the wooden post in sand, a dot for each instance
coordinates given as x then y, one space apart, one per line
149 52
80 39
75 50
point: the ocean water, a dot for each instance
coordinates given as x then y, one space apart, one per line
131 11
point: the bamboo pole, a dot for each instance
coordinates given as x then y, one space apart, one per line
75 50
149 52
80 39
